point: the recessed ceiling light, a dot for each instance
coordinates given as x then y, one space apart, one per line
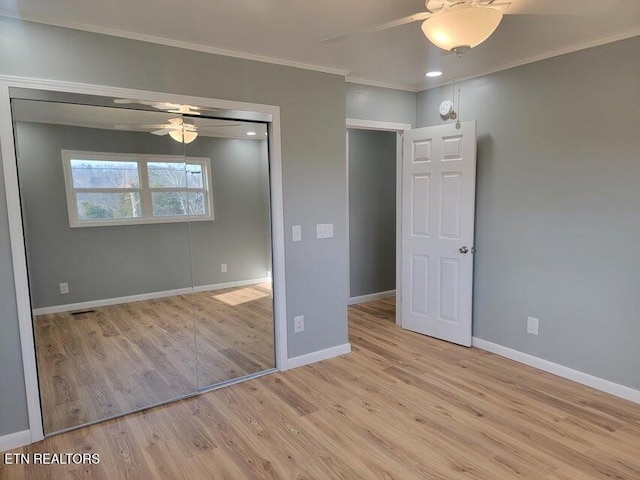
435 73
251 134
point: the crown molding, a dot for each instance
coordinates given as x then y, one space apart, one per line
375 83
178 44
538 58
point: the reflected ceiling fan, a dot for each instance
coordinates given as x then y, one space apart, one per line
180 129
166 106
459 25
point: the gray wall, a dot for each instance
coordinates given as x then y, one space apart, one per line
372 211
116 261
381 104
313 154
557 207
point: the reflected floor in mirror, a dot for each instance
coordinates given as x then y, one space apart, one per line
120 358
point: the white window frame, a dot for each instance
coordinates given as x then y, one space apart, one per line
145 191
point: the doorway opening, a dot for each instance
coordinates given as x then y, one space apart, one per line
434 220
374 160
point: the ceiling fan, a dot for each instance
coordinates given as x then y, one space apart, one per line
180 129
166 106
459 25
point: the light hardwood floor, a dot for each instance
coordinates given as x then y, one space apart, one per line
120 358
401 406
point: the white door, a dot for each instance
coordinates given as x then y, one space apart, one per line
438 203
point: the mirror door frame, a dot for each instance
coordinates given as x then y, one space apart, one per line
16 232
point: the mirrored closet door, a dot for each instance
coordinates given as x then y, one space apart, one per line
234 324
148 237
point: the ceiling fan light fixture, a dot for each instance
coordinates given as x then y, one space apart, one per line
460 28
185 136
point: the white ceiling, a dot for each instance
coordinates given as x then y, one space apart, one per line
289 32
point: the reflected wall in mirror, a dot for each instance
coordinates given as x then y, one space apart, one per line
234 326
149 265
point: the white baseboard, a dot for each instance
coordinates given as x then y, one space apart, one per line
577 376
70 307
371 297
313 357
15 440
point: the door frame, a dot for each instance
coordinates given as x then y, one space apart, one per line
16 232
399 129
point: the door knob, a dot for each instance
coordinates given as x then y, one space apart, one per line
464 249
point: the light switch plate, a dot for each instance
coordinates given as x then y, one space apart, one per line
324 230
296 233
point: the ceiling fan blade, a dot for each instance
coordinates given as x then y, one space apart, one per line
141 126
128 101
559 7
164 131
165 106
185 112
226 135
416 17
205 127
178 108
498 5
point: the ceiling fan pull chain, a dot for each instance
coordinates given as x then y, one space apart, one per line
458 124
453 92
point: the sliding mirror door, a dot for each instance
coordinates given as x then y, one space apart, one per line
148 240
228 168
109 259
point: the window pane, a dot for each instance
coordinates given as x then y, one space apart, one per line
174 175
194 176
197 203
167 175
169 204
175 204
104 174
104 206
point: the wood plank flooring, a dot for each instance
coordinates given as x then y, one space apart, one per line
400 406
121 358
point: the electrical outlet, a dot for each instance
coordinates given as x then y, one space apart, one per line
223 267
324 230
532 325
296 233
298 324
64 288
